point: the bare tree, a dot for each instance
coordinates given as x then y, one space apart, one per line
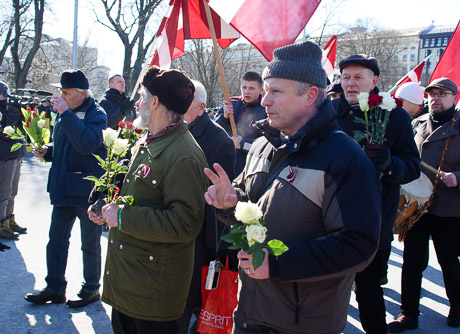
28 26
6 29
129 19
365 37
200 63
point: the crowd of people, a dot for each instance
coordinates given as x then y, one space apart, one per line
331 199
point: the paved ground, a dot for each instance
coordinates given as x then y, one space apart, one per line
23 270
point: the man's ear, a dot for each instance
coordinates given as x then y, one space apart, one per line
375 79
312 95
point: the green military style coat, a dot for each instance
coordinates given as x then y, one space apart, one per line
150 260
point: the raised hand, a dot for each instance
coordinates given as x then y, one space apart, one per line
221 194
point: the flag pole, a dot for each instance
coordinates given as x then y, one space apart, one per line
395 87
219 64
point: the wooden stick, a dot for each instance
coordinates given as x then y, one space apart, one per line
219 64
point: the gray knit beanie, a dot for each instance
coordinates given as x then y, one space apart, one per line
299 62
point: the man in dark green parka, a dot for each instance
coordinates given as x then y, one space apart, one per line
151 243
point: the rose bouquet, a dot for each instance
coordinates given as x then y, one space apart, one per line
251 236
376 109
116 148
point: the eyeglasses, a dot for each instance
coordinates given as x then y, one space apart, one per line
440 94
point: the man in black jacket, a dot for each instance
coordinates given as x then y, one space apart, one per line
10 166
218 147
396 160
116 104
246 110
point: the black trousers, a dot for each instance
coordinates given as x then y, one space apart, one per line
369 294
445 233
123 324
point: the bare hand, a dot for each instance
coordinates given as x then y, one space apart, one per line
94 217
449 179
221 194
39 152
237 141
262 272
60 105
110 214
228 108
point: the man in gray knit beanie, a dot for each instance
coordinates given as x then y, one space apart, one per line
302 173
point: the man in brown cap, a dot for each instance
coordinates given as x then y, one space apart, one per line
396 160
151 243
441 223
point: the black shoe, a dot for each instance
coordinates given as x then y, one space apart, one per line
44 297
3 247
453 320
83 298
402 323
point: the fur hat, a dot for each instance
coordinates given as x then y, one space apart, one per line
173 88
299 62
73 78
361 60
412 92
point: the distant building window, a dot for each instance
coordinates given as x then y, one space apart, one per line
440 51
438 43
412 57
413 47
396 58
426 42
433 42
405 58
445 41
427 52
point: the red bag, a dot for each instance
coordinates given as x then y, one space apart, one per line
216 316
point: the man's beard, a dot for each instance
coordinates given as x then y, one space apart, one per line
142 121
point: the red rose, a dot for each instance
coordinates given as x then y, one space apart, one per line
121 124
399 102
29 119
138 131
374 100
28 109
34 114
27 124
129 125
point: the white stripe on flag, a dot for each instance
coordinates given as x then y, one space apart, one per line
164 55
327 65
413 76
226 9
227 31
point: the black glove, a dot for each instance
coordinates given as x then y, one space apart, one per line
126 106
379 155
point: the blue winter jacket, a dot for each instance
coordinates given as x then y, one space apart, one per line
77 136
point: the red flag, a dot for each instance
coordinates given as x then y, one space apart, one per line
414 75
448 65
267 24
328 59
186 19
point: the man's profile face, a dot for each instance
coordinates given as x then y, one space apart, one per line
438 104
143 108
250 90
73 97
357 79
196 109
286 110
118 83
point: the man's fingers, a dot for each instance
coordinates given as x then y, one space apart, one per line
221 172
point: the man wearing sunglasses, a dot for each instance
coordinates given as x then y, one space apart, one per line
442 222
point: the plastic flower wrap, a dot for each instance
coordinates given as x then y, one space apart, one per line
251 236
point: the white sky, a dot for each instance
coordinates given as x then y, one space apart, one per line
396 14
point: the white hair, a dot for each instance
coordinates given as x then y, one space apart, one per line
200 91
89 93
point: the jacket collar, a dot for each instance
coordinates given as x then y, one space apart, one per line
441 132
161 143
199 124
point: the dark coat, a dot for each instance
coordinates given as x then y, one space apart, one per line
112 105
325 206
245 115
77 136
11 116
430 143
405 162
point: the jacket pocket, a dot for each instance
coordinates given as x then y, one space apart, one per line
75 185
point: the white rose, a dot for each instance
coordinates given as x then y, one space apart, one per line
255 233
9 131
41 123
363 99
247 212
388 102
109 136
120 146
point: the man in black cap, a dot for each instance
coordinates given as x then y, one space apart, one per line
150 254
10 166
116 104
77 137
441 223
335 90
396 161
302 173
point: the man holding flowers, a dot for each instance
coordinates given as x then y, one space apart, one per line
77 137
151 242
385 133
302 175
